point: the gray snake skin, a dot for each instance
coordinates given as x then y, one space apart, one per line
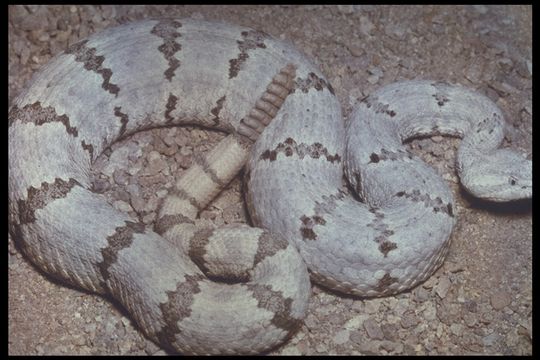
285 122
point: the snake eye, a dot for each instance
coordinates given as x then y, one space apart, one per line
512 181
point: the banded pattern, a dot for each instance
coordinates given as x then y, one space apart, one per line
178 72
399 234
176 281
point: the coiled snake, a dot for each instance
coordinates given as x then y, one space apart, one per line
178 72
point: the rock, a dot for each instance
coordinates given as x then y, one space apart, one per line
500 300
303 347
290 350
372 306
490 339
321 348
355 322
341 337
90 328
120 177
373 329
355 50
135 168
358 306
366 26
151 204
122 206
391 346
456 329
37 21
150 180
117 160
369 347
373 79
375 71
470 320
470 305
390 331
149 218
184 161
524 331
401 306
162 193
420 294
442 287
311 321
101 185
153 156
430 282
155 167
162 147
138 203
430 312
121 194
133 190
409 319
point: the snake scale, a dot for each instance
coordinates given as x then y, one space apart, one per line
198 289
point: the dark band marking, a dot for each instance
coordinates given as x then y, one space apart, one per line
250 40
441 99
164 223
374 158
385 282
178 307
489 124
166 29
202 161
216 110
89 148
268 245
329 203
308 224
170 107
378 224
372 102
182 194
121 239
275 302
436 203
313 82
124 119
39 198
197 248
290 147
38 115
93 62
386 246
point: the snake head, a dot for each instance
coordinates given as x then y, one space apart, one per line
500 176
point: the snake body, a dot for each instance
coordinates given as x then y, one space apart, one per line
182 72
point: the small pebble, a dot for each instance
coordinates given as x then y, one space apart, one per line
500 300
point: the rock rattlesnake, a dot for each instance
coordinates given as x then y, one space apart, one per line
177 72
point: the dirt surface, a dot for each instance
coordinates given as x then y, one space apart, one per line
478 302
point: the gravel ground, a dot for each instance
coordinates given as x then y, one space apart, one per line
478 302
